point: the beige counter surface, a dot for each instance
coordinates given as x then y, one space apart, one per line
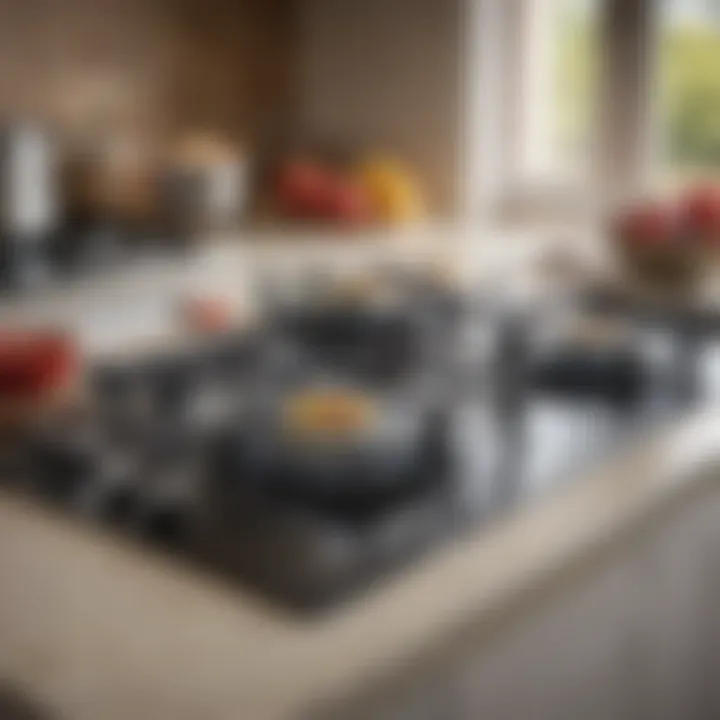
100 630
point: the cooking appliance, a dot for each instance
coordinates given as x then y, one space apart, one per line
172 451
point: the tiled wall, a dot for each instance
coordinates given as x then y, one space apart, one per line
148 65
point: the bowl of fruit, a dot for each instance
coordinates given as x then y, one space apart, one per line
669 244
700 217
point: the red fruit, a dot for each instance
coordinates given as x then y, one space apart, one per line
350 203
700 211
650 223
304 189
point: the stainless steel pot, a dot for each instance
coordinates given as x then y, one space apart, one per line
204 198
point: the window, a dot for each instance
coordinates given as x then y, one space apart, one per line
690 72
577 124
576 81
556 86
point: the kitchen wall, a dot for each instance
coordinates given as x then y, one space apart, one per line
378 74
389 74
148 66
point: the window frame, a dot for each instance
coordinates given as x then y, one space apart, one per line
625 148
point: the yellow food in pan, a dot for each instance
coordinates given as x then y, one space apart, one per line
328 413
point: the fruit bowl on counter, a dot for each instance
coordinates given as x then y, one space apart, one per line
669 244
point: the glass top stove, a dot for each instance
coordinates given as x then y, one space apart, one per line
153 458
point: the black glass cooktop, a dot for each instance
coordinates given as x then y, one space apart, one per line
157 455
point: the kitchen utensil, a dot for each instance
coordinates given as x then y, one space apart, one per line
204 187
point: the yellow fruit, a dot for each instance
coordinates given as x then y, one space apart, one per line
393 191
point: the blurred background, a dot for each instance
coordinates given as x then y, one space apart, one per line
490 110
359 359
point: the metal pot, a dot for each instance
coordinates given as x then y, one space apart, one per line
201 198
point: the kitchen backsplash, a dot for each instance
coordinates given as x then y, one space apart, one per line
148 66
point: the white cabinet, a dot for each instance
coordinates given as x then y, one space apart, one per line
574 656
679 578
632 635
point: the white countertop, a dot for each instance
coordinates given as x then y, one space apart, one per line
100 630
